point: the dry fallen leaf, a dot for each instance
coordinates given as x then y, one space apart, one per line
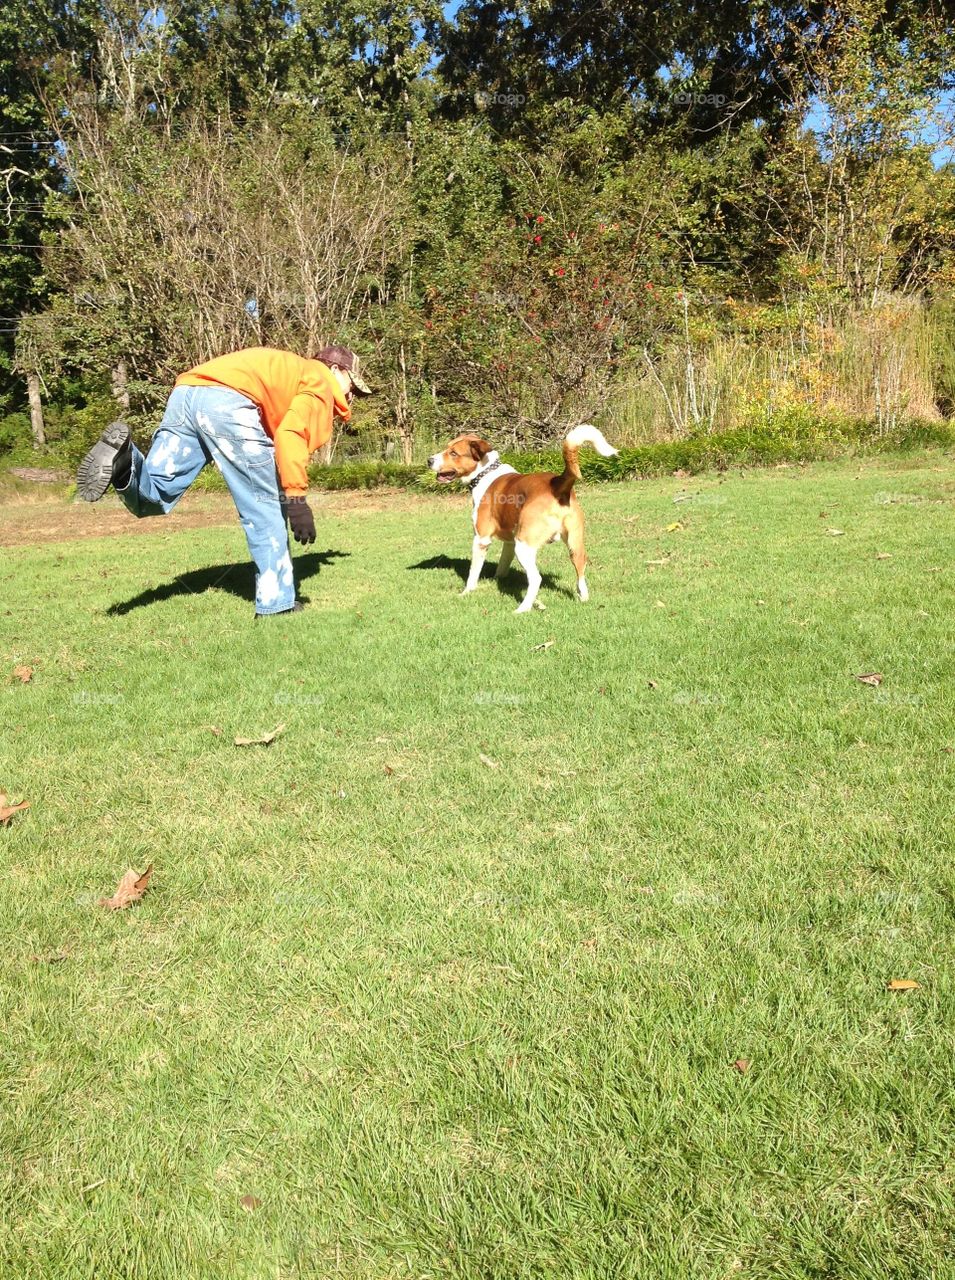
388 770
741 1065
260 742
546 645
250 1202
491 764
883 555
213 728
23 674
836 533
656 563
672 528
901 984
589 943
129 890
871 677
652 684
7 810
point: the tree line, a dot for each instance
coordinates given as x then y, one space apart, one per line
680 216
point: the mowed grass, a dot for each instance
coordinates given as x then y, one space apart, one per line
446 1017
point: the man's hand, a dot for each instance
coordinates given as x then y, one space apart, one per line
301 521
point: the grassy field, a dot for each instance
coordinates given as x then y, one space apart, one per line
451 1017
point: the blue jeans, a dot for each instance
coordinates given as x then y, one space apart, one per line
215 424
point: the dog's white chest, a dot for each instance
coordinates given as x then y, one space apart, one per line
481 486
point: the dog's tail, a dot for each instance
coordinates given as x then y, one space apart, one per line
573 443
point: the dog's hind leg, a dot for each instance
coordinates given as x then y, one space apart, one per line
573 535
527 556
479 548
507 555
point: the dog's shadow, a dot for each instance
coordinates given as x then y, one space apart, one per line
513 584
237 578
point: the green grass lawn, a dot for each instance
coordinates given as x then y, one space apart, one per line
446 1019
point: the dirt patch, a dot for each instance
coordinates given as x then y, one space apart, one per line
39 475
33 523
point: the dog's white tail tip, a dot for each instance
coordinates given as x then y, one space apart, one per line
586 433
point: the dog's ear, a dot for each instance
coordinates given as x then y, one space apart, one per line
479 448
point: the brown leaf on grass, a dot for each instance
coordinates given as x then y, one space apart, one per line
23 674
213 728
250 1202
7 810
491 764
883 555
652 684
129 890
902 984
741 1065
388 770
264 741
546 645
871 677
836 533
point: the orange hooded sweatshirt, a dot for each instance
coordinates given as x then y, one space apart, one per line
297 399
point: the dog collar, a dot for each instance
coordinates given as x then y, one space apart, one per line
482 474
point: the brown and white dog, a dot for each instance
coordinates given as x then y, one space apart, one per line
524 512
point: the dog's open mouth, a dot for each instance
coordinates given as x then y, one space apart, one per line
445 477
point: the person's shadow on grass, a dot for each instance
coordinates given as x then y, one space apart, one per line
237 578
513 584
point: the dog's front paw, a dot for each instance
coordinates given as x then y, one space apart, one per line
466 592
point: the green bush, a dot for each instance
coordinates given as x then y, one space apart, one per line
364 475
69 433
16 437
792 437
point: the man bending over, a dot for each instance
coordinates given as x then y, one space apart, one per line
258 414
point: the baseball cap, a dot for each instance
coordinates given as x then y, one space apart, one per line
346 359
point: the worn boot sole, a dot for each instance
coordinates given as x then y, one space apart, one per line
95 473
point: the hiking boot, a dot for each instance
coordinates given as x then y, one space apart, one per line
108 462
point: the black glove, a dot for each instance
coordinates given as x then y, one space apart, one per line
301 521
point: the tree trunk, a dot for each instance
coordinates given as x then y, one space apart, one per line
120 388
326 453
405 429
36 410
